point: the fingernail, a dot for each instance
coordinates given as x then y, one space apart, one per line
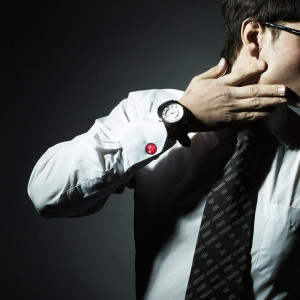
261 64
221 62
281 90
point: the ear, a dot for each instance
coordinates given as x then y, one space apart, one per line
252 33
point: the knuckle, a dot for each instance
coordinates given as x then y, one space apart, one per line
197 78
249 115
274 91
194 79
228 118
253 90
227 93
255 103
241 73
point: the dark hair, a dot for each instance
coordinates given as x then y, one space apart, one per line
236 11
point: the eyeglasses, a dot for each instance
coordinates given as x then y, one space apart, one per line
280 27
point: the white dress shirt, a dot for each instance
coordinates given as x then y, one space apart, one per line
75 178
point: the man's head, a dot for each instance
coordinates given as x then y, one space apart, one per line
272 11
248 39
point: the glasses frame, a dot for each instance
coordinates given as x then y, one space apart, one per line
281 27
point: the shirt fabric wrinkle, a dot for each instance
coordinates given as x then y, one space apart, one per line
171 189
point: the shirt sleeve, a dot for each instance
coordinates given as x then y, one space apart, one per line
76 177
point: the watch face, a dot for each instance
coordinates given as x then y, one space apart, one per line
172 113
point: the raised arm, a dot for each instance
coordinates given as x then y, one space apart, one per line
75 178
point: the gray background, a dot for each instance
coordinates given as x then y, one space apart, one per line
64 64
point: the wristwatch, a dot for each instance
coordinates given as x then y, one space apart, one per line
174 116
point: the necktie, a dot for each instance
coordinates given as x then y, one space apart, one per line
223 246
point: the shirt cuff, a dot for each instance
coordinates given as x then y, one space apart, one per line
136 135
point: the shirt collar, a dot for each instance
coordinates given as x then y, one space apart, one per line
284 124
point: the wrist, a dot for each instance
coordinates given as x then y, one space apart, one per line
195 123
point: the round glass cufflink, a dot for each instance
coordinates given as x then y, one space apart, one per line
151 148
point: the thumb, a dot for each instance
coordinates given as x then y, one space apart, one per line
216 71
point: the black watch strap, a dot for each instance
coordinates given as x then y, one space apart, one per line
184 140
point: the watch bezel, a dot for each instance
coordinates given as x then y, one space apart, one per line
179 128
179 108
163 106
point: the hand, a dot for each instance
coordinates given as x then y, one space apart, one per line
214 101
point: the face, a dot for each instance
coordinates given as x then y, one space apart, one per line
283 58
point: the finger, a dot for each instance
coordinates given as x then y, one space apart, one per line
250 116
239 75
215 71
257 90
256 104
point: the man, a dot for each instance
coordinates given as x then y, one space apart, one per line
172 179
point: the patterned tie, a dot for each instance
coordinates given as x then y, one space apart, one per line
223 246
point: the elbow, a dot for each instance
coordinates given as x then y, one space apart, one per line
42 197
54 204
46 204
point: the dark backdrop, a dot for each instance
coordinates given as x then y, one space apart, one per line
64 64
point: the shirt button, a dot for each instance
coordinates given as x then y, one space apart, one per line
151 148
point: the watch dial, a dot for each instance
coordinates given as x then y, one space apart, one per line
172 113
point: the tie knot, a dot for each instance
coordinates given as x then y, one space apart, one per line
245 135
249 133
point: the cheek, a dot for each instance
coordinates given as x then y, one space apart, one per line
284 68
291 63
280 67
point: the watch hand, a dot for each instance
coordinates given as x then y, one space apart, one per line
173 112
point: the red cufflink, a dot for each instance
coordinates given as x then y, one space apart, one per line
151 148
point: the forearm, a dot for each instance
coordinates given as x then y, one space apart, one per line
75 178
